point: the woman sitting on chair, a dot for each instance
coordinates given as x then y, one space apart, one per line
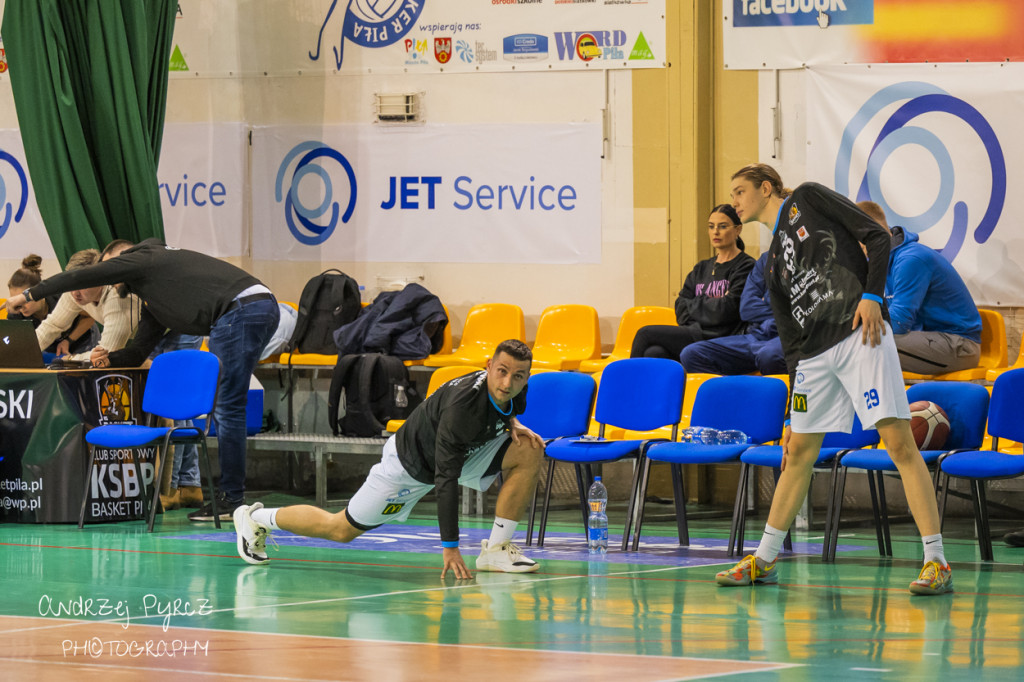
709 304
77 338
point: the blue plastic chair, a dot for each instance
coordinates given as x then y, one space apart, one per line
180 385
833 446
558 405
1005 420
635 394
754 405
966 405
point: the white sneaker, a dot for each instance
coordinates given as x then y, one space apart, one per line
506 558
252 537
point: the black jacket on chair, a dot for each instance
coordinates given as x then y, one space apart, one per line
408 324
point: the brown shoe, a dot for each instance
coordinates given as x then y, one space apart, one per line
191 496
172 500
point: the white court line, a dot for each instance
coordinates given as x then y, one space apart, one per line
335 600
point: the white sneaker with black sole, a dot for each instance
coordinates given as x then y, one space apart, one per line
507 558
252 537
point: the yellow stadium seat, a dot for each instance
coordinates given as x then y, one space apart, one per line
993 352
993 374
3 308
566 336
487 325
441 376
630 322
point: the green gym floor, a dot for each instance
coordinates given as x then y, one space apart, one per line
180 603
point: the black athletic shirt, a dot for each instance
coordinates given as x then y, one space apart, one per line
441 433
185 291
817 272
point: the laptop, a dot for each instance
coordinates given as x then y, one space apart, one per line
18 345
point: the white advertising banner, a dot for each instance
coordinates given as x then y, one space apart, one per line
202 192
21 228
937 146
217 37
528 193
202 187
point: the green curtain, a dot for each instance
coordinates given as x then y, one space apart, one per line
90 87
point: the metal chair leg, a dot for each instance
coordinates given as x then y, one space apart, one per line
645 476
883 513
211 488
166 453
547 502
739 509
679 493
829 504
874 512
631 508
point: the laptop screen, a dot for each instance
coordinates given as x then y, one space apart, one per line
18 346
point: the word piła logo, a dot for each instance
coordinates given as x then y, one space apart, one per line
369 23
306 222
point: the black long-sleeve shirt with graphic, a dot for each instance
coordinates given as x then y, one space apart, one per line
181 290
817 272
444 431
710 297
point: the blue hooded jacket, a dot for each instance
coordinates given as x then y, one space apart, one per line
925 293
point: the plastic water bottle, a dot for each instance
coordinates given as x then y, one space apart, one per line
597 524
702 435
732 437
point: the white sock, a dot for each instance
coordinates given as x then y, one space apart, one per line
501 531
771 544
266 517
933 549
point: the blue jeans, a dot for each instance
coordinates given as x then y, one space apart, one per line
185 465
237 339
731 355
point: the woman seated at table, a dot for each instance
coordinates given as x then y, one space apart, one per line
118 316
80 336
709 304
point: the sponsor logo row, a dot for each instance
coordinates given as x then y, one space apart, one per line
584 46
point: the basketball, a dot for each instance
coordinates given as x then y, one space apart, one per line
930 425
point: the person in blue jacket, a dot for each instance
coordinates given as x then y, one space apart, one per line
934 319
758 350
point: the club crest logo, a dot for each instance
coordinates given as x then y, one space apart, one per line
114 393
370 23
794 215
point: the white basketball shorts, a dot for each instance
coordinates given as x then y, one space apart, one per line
389 493
849 377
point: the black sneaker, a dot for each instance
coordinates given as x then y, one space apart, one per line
225 510
1014 539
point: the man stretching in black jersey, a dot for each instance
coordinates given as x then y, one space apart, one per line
463 434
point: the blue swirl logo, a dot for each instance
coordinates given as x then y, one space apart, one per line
8 213
307 223
923 98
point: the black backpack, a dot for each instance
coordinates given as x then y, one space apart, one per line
376 388
329 301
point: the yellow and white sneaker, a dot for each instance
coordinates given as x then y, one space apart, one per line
934 579
507 558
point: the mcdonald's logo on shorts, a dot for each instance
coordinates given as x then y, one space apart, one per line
392 509
799 402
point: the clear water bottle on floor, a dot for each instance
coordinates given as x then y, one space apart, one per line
597 523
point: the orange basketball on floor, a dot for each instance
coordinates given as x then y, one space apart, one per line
930 425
